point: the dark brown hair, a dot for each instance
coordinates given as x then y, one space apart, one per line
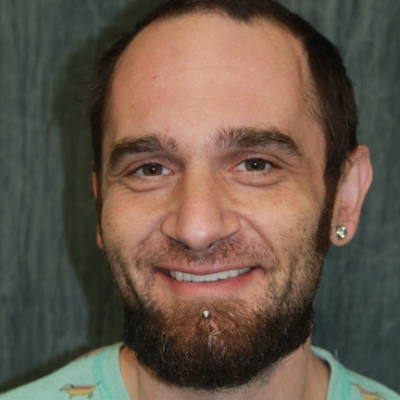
331 90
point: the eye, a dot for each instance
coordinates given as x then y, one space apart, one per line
254 164
152 169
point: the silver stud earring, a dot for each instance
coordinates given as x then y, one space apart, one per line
341 232
206 314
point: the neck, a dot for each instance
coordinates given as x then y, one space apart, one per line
299 376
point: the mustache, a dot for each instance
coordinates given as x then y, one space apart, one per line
228 251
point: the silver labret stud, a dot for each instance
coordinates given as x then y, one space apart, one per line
206 314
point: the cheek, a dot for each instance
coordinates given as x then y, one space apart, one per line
128 220
282 217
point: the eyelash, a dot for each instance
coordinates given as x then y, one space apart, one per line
268 163
149 164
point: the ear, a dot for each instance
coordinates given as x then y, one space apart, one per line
96 189
353 187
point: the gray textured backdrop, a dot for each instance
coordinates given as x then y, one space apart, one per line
56 296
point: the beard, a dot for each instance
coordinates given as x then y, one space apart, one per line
234 349
242 340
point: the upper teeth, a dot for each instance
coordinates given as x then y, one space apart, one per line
183 276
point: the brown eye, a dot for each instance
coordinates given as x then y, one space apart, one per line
256 164
152 169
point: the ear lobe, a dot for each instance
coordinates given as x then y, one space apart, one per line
95 185
99 238
352 189
96 189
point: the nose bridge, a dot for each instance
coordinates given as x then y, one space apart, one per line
199 198
201 214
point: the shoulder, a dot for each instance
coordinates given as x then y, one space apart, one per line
348 385
81 377
370 389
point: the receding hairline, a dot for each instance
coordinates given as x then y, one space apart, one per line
309 94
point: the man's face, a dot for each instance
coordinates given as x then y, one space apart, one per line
212 191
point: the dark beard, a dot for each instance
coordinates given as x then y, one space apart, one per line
237 344
227 351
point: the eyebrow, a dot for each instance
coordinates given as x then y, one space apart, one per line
247 137
146 144
244 137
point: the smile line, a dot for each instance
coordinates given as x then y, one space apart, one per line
219 276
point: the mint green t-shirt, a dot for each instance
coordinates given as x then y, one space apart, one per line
97 376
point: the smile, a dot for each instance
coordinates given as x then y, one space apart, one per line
219 276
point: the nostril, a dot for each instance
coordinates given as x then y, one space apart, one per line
198 223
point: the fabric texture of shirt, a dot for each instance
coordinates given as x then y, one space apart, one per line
97 376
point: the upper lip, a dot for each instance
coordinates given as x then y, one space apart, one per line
202 270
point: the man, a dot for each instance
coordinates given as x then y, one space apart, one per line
225 164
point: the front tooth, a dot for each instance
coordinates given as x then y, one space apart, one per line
211 278
223 275
197 278
187 277
183 276
233 273
179 275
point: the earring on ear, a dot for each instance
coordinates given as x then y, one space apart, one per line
341 232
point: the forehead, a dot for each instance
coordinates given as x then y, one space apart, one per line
202 72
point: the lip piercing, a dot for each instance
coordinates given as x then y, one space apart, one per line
206 314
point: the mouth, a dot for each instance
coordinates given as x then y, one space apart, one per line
218 276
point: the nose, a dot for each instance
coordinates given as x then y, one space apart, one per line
201 213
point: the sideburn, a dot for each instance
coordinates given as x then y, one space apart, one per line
323 240
98 197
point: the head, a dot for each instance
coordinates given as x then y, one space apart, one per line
329 92
224 137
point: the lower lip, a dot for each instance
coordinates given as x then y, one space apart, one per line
201 289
